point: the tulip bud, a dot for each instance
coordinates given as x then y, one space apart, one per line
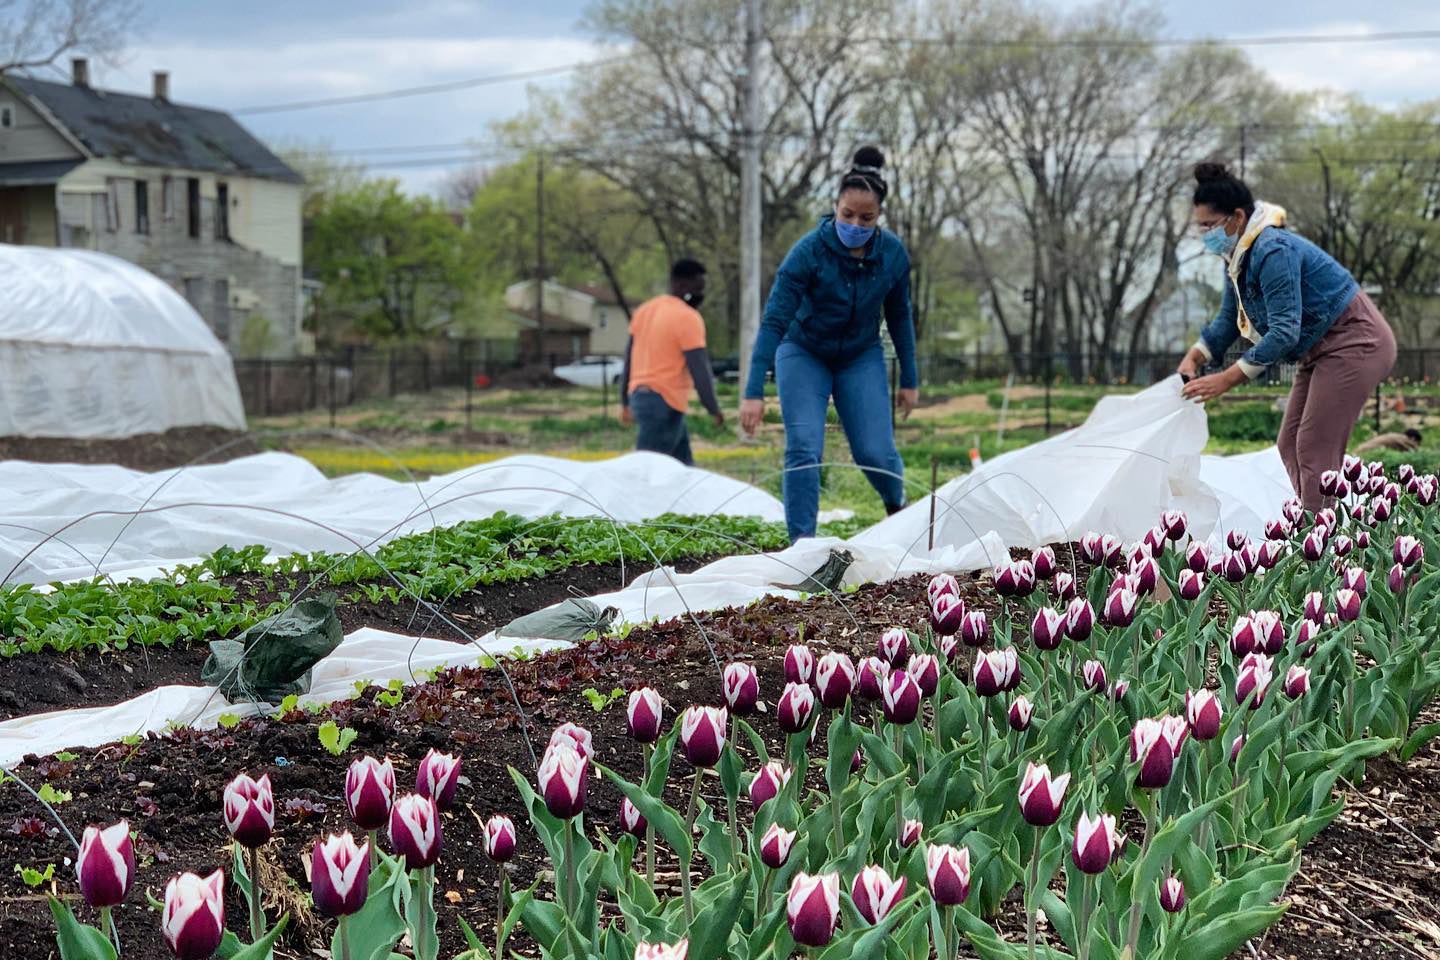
1277 530
875 894
632 821
910 833
1154 542
1043 562
1342 545
249 810
1375 468
1064 587
1015 579
835 679
1305 637
1352 467
1079 620
1048 628
1118 689
1362 539
1405 473
947 612
902 698
948 871
439 773
974 629
1269 631
1235 567
1152 752
995 672
1172 895
578 737
1355 579
1111 549
369 791
1042 796
662 951
942 584
1090 550
1426 491
562 780
1314 547
1329 483
1347 605
1297 682
772 778
1391 493
1197 557
1236 539
775 846
1202 712
949 648
415 831
1094 675
741 687
894 646
795 708
500 841
1146 573
1396 579
339 875
870 679
1192 584
857 761
1120 608
702 734
106 865
1242 637
1383 510
799 664
1095 842
1175 524
1253 680
1408 551
813 907
193 920
924 669
644 711
1020 713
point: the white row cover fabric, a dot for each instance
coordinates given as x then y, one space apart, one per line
94 346
284 503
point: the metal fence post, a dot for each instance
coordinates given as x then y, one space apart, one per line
1049 377
332 393
392 371
1377 408
894 387
604 389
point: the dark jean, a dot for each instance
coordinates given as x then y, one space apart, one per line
661 428
862 399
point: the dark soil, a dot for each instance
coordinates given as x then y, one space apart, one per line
40 682
147 451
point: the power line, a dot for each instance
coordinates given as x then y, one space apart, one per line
427 89
1124 42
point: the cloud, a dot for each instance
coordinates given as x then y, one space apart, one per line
1389 73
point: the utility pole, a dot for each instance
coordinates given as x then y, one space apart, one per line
750 228
1244 143
540 255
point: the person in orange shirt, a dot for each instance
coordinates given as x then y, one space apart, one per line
664 360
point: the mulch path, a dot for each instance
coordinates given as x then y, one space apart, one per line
146 451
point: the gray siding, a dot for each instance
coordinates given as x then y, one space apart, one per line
31 138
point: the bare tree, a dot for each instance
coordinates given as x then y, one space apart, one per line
36 33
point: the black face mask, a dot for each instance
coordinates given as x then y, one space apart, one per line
694 299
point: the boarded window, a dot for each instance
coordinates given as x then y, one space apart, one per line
167 199
112 205
192 204
142 206
222 212
7 116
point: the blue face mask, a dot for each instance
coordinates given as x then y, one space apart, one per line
853 236
1218 242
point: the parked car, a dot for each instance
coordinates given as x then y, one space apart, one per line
592 371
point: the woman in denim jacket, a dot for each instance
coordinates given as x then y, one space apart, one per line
821 334
1292 303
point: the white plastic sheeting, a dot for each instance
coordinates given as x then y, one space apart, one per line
94 346
284 503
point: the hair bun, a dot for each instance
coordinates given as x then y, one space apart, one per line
1212 172
869 156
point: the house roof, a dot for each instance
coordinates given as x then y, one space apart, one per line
146 130
601 293
35 172
553 323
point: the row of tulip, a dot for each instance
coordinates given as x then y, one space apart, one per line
995 744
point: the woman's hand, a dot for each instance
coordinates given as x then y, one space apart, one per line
1193 363
1203 389
907 401
751 413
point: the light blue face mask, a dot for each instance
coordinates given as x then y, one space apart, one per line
851 235
1218 242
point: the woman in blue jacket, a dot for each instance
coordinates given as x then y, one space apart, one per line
1294 304
821 335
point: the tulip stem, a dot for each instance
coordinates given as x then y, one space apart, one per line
984 748
1049 693
257 912
424 949
900 788
1132 939
1082 929
343 935
1031 894
685 867
500 910
107 926
374 855
649 751
730 801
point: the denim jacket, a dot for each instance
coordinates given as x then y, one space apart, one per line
1293 293
830 302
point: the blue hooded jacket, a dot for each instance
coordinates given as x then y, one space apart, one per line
830 302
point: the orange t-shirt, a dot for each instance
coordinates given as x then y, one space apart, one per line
663 329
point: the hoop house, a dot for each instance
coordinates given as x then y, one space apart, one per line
94 346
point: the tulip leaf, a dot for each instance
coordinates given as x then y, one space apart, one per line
1419 739
715 843
933 791
666 821
264 947
731 769
660 757
757 742
78 941
868 941
844 739
710 933
544 921
378 925
1219 938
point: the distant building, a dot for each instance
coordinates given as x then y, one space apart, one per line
579 321
185 192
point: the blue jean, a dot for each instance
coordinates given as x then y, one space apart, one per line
661 428
862 398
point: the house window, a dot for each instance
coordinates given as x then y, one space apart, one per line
7 116
142 206
192 208
112 205
222 212
167 199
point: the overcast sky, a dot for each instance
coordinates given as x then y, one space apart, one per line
261 52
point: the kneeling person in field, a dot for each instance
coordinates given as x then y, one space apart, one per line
665 359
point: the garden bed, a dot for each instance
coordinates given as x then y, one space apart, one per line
146 451
1367 886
